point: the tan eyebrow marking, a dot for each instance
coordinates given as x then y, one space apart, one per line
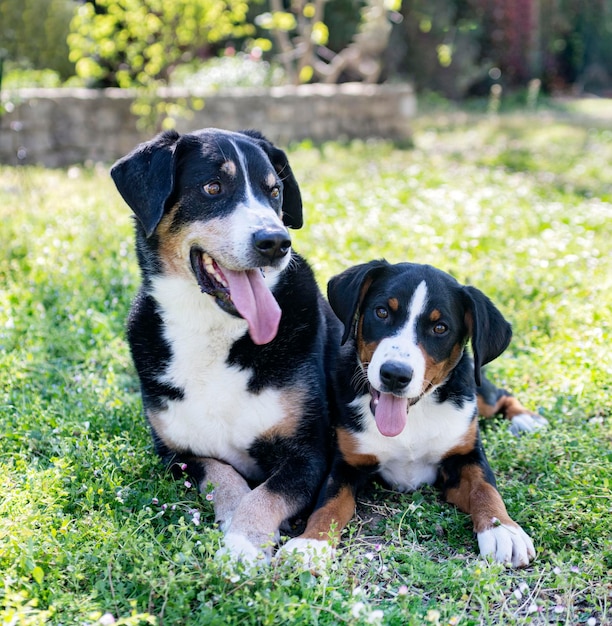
229 168
435 315
271 180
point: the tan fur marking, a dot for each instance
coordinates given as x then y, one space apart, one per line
229 488
271 180
393 304
508 406
229 168
170 242
366 350
467 443
175 246
158 427
435 315
327 522
259 515
293 408
348 445
436 372
478 498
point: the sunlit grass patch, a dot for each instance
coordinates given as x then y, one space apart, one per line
91 526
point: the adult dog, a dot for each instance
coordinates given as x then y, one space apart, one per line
233 343
229 333
407 399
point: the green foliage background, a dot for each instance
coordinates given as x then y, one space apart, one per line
138 42
34 33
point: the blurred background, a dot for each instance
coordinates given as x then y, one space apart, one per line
456 49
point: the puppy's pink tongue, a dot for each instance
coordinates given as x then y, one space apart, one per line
255 302
390 415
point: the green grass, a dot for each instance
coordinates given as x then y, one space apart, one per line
91 524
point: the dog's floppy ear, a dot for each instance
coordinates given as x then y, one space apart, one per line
347 290
490 333
145 178
292 198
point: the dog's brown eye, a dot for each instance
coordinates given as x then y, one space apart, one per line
381 313
213 189
275 192
440 329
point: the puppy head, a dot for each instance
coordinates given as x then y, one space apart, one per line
213 207
410 325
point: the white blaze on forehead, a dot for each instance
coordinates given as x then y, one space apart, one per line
403 347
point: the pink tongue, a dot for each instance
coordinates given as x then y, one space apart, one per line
391 414
255 302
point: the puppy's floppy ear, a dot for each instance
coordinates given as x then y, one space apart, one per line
347 290
145 178
292 198
490 332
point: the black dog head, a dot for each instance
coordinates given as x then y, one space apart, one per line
213 208
376 300
146 177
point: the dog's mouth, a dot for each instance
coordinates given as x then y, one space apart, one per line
390 412
240 293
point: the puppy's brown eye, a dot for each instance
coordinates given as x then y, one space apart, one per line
440 328
381 313
275 192
213 189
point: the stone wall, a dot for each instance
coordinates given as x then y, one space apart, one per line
58 127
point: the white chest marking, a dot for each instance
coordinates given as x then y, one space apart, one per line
218 416
411 459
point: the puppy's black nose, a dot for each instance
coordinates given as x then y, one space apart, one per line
395 376
272 244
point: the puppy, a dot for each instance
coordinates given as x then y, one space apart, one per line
229 333
407 402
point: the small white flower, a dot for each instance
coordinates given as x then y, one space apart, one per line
107 619
357 609
375 617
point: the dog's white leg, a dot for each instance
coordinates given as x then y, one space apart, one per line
527 423
507 543
253 531
228 490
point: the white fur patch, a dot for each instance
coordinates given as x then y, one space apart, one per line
217 417
411 459
313 554
526 423
238 548
507 544
403 347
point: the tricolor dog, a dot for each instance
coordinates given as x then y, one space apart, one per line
229 333
236 350
407 399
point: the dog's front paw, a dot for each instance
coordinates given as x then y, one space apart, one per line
527 423
508 544
313 554
239 548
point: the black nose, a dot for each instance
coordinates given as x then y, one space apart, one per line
395 376
272 244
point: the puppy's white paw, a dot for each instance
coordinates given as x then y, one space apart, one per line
313 554
508 544
239 549
527 423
